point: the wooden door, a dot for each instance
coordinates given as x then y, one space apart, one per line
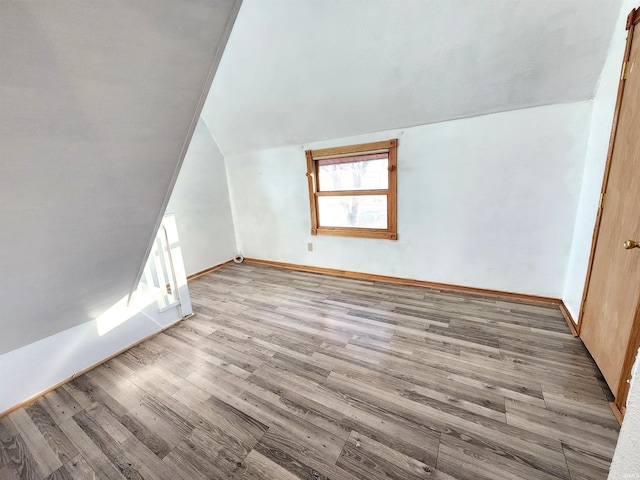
610 325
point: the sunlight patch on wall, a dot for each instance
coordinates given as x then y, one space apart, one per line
122 311
163 282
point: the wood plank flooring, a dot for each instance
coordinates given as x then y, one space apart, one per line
293 375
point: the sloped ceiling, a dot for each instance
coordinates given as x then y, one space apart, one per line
97 101
300 71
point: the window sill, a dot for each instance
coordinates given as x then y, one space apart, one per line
355 232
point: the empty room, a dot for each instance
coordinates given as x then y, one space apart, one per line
320 239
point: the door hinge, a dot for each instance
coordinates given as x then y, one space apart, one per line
602 197
582 308
625 70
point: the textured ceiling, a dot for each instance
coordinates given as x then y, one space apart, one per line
300 71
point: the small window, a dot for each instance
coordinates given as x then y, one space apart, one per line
352 190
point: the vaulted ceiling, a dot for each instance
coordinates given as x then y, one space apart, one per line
98 100
300 71
97 103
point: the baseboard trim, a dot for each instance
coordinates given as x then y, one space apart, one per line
105 360
208 270
408 281
568 318
616 412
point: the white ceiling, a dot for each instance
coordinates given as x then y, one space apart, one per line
96 104
300 71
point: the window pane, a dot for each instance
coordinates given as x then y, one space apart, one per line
364 175
364 211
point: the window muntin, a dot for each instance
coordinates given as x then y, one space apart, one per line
352 190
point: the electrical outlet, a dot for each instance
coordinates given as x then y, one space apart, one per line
310 246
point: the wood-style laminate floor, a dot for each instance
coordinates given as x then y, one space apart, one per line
285 375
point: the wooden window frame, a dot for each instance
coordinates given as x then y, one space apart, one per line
391 232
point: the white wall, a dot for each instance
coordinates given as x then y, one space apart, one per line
602 117
487 202
200 200
626 461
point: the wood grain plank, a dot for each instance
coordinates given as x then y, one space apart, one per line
257 466
16 460
292 374
44 456
204 456
56 439
568 430
585 465
79 469
9 474
123 413
59 404
90 451
365 457
467 452
279 446
112 449
440 418
63 473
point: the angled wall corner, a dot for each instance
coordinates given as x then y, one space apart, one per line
599 134
99 101
200 201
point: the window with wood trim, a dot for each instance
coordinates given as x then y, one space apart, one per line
352 190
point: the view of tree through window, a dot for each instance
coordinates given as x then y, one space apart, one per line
350 191
355 210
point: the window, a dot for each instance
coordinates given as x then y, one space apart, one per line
352 190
